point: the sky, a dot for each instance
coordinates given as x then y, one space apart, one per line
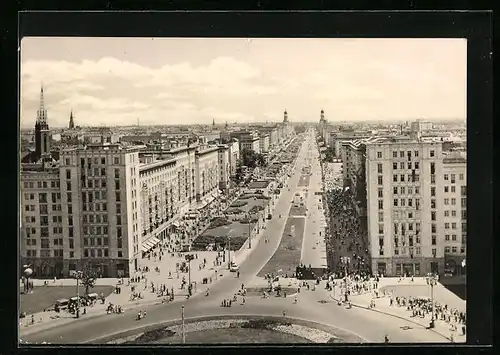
123 81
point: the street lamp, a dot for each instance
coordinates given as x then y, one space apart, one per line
188 258
432 281
78 276
250 231
229 252
345 260
27 274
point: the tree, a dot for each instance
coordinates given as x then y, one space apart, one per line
88 278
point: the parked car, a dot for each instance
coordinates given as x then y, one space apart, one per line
234 267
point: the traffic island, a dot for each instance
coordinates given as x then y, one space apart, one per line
241 329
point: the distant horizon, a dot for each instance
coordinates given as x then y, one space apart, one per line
433 120
191 80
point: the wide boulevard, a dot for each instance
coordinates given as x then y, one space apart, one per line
314 306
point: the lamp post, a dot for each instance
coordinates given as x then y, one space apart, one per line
345 260
229 252
249 231
188 258
183 329
27 274
78 275
432 281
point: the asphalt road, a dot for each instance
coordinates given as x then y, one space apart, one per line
366 324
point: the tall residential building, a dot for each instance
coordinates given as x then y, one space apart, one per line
224 168
83 211
207 172
408 226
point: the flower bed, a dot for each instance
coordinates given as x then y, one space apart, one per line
163 334
238 203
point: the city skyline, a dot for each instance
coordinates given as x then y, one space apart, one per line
111 81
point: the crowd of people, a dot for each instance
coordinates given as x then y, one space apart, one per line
347 232
421 307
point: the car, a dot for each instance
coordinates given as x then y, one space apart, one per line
234 268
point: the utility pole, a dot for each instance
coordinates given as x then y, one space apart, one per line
229 252
183 328
249 232
78 275
188 258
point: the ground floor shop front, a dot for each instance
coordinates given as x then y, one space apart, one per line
44 268
395 267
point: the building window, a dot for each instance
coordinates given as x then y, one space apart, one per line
395 190
417 165
447 237
447 213
433 228
433 240
394 154
462 250
433 179
395 202
453 201
379 168
379 155
433 191
402 166
454 237
394 178
403 202
395 166
461 177
380 228
463 190
380 204
380 192
464 214
68 161
453 249
68 174
446 177
453 225
433 215
446 201
463 202
446 189
453 213
381 216
452 177
432 153
446 249
380 180
446 225
117 196
402 178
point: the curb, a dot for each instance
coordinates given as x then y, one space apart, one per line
395 316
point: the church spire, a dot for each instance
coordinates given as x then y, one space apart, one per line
285 118
41 117
71 120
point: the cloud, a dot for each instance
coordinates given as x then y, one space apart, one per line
354 81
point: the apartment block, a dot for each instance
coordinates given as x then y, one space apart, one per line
406 204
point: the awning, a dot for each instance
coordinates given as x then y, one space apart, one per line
149 244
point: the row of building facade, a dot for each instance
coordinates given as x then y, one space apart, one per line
413 194
106 203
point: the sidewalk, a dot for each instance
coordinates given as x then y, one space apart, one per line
382 305
45 320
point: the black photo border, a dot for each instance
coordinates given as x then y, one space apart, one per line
475 26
